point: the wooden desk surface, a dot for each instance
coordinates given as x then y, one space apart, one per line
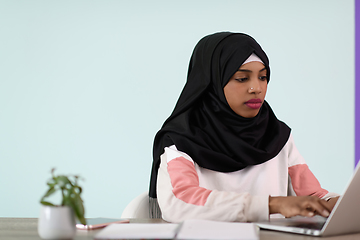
26 229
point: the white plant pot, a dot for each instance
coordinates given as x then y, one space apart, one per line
56 222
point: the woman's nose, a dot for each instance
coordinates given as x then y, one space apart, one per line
254 86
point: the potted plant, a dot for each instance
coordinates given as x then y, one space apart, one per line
58 221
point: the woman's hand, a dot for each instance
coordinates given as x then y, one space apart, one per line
307 206
332 202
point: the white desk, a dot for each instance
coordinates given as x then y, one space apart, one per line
26 229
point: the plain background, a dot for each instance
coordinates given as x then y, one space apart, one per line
85 85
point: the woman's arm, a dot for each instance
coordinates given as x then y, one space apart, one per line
180 196
310 198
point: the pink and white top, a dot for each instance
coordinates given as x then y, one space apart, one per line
185 190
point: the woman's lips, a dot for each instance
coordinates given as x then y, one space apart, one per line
254 103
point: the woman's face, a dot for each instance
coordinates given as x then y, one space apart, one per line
245 92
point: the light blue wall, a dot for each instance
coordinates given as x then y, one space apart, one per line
85 85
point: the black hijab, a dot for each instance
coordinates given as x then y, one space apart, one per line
205 127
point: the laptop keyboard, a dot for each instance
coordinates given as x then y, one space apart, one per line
314 225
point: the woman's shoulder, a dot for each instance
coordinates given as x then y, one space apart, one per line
171 153
291 153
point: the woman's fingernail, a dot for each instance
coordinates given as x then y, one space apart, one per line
326 213
311 214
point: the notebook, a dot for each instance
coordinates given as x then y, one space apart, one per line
344 218
189 229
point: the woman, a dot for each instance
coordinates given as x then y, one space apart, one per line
222 154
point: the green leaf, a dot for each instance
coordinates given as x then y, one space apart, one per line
51 183
50 192
46 203
78 190
82 219
78 207
62 181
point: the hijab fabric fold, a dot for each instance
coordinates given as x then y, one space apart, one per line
202 123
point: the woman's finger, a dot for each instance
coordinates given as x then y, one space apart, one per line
316 207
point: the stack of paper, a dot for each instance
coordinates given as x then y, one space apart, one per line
138 231
204 229
189 229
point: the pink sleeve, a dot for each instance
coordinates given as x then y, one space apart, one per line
304 182
185 182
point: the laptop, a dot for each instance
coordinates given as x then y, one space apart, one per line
344 218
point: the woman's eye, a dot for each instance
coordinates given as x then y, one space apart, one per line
263 78
241 79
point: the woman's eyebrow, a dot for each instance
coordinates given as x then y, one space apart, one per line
247 70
